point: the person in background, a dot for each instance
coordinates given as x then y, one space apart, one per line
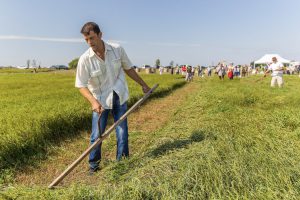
161 69
244 71
199 71
221 72
208 71
189 75
277 72
230 73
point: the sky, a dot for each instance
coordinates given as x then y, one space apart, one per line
190 32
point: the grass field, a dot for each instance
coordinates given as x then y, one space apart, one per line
40 110
235 139
23 71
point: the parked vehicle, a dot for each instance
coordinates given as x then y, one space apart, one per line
59 67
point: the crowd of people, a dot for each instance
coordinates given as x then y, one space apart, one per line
231 71
235 71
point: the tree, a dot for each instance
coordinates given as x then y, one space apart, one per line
73 63
171 63
157 63
33 63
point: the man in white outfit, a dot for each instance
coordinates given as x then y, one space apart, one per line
277 72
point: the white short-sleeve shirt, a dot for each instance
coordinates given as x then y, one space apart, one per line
277 69
104 77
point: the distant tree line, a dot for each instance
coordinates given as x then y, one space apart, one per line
73 63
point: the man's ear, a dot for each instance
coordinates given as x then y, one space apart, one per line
100 35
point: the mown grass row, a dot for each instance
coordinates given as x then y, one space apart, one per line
41 110
230 140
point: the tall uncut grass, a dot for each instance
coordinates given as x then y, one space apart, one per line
235 139
40 110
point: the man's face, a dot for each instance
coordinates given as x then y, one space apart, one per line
93 39
274 60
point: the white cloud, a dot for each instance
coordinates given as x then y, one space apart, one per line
14 37
173 44
116 41
48 39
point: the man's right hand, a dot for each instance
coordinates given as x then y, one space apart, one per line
96 107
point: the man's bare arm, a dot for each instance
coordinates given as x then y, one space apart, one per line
134 76
96 106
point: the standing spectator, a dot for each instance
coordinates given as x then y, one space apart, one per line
177 70
277 72
199 71
161 69
230 74
183 70
208 71
193 71
236 71
243 71
189 75
249 70
221 72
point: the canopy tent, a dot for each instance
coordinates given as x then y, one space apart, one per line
268 59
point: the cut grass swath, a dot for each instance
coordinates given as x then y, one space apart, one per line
99 140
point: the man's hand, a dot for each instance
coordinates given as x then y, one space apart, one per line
134 76
146 88
96 107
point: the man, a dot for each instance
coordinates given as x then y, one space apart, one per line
221 72
277 72
101 80
199 71
188 76
208 71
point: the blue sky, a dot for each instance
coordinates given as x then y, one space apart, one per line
187 32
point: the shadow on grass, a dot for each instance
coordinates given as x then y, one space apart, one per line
125 166
197 136
16 156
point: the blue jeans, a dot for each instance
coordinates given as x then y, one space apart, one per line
121 132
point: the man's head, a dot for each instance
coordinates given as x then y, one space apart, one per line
88 27
274 60
92 35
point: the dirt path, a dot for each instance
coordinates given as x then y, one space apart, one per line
150 117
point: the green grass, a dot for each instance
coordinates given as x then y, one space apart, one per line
23 71
40 110
230 140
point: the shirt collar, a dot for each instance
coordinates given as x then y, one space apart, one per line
107 48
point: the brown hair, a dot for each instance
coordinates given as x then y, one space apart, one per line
90 26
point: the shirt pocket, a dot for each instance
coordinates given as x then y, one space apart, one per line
117 66
96 79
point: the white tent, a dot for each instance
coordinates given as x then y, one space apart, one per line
268 59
